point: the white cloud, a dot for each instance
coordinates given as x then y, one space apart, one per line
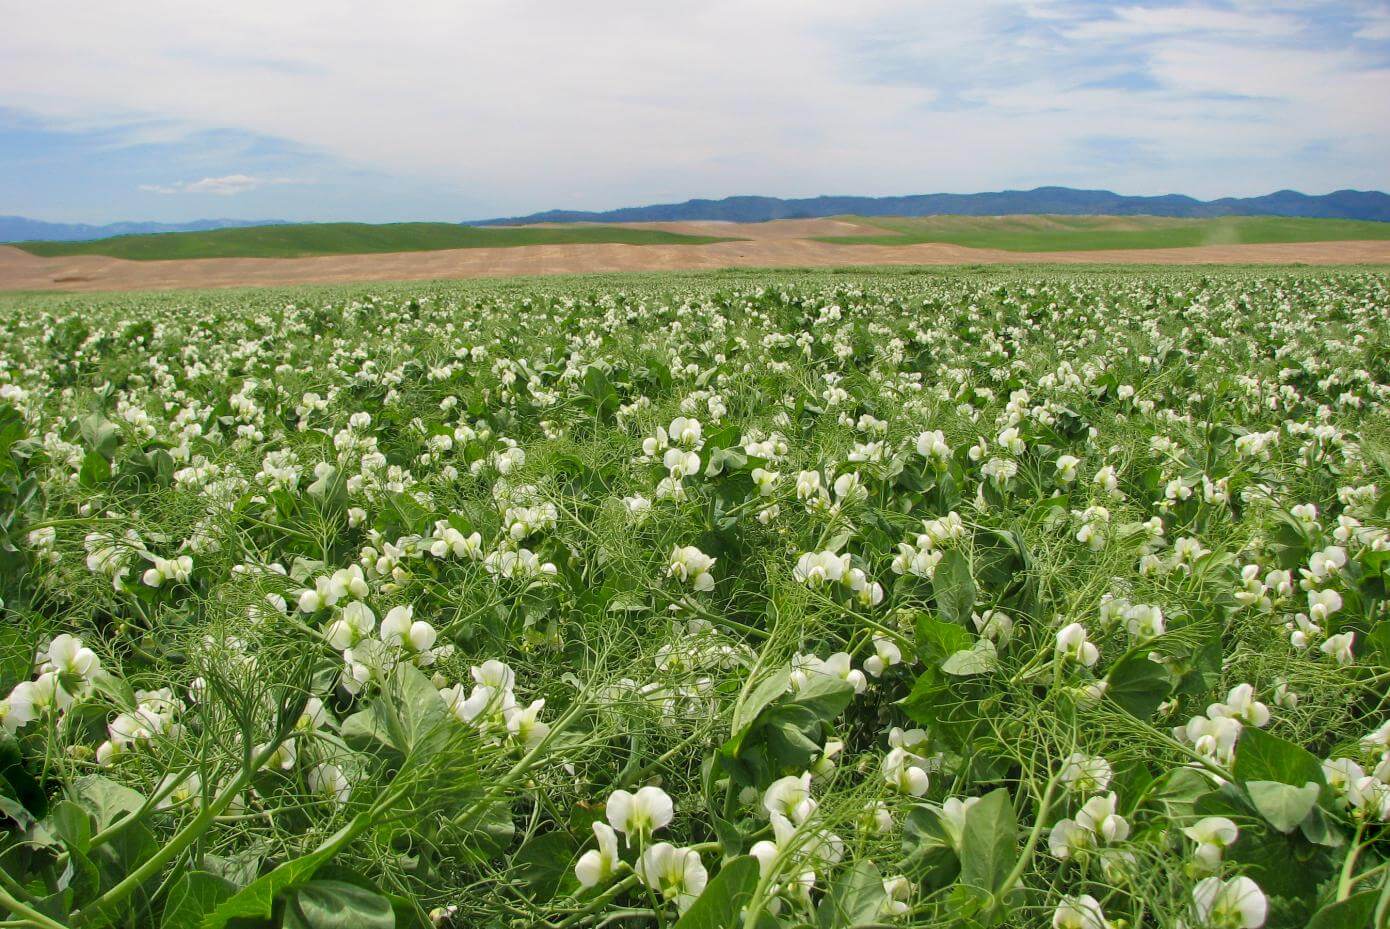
224 186
537 103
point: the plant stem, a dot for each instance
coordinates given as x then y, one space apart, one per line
1026 856
28 915
96 913
1348 865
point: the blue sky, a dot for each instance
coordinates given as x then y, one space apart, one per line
162 110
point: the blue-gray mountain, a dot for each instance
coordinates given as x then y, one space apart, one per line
1341 204
21 229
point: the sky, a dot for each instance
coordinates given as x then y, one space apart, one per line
449 110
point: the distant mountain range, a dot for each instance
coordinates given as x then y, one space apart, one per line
1341 204
21 229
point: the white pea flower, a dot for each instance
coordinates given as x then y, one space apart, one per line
952 815
328 780
674 873
932 445
837 665
1339 647
815 569
897 897
1068 837
850 489
994 625
1086 774
1072 644
401 630
354 624
1322 604
900 773
1234 903
641 813
1144 621
638 507
692 566
73 662
597 865
20 707
1080 912
1213 835
886 654
765 481
525 724
790 797
1241 705
681 464
1107 482
1098 815
165 570
1213 737
1066 468
493 674
767 850
686 432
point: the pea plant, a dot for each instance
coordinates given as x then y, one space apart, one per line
760 600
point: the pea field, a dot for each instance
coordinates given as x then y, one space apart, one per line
967 598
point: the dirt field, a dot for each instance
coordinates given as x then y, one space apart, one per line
782 244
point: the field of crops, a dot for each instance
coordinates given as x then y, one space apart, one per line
1050 233
749 600
300 240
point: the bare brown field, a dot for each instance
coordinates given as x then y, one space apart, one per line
780 244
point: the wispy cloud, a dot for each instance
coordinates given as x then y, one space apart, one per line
225 186
613 102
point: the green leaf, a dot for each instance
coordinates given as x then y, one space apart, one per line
1178 791
71 824
1138 684
543 862
602 396
1284 865
337 905
787 734
725 459
95 471
257 899
100 435
989 843
936 640
721 903
407 716
757 700
1283 806
1264 757
928 852
1354 912
953 587
17 782
854 900
978 659
106 800
193 895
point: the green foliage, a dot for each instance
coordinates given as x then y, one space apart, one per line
303 240
961 592
1090 233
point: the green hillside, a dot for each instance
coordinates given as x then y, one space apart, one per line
1047 233
307 239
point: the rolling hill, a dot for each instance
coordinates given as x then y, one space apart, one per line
1053 233
307 239
1341 204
